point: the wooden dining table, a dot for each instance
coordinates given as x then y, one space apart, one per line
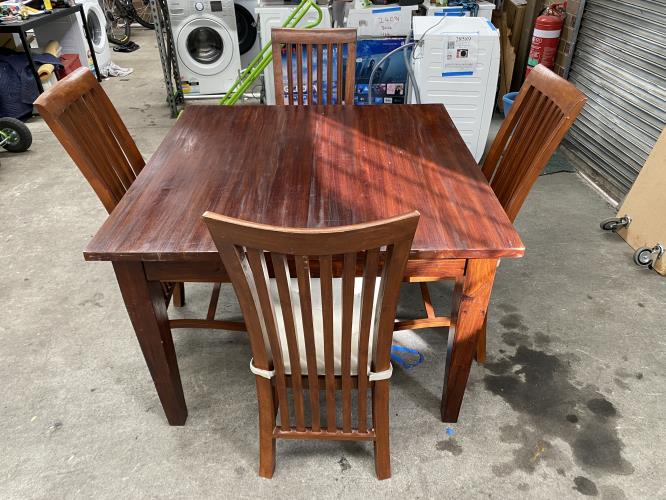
306 166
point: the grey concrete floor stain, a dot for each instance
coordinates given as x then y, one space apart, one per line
552 406
344 464
450 445
585 486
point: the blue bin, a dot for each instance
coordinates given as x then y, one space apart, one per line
508 102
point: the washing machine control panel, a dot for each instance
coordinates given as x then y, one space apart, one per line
198 6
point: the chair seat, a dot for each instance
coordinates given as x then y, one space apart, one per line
315 290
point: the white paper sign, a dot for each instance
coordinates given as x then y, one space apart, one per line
460 54
388 23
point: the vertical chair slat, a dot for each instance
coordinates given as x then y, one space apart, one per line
290 73
365 323
309 66
304 293
299 72
278 78
257 263
351 70
329 73
340 84
326 283
320 73
283 281
348 277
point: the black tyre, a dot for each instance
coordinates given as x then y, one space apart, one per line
643 256
15 135
118 25
142 14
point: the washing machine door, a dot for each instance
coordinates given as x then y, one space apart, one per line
205 45
246 27
96 26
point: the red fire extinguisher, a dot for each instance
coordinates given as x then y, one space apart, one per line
545 40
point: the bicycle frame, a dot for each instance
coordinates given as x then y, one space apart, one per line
265 56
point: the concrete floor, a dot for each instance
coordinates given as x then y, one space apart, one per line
570 403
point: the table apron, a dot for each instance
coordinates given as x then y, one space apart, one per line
416 270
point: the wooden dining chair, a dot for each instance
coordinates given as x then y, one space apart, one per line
315 326
83 119
541 115
328 45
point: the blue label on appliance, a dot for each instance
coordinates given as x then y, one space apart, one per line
386 9
458 73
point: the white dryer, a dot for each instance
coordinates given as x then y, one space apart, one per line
246 27
204 33
96 22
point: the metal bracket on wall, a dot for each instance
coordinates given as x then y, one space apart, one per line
167 51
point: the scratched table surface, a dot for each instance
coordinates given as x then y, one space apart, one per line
308 166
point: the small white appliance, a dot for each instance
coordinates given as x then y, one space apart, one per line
247 28
458 66
204 33
485 10
273 16
96 22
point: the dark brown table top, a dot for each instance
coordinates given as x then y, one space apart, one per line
308 166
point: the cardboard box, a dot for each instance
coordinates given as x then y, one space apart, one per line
515 16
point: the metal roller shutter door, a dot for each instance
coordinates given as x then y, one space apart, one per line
620 64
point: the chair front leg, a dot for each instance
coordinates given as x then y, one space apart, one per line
380 420
266 427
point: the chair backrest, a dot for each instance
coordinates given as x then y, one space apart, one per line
83 119
336 326
328 44
542 113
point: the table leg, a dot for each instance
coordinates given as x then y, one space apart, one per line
91 48
470 302
147 310
31 62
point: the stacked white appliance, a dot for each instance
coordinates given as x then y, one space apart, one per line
204 33
273 16
458 66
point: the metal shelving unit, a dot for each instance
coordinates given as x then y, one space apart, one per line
167 52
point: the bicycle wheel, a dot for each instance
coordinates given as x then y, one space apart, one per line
118 26
142 13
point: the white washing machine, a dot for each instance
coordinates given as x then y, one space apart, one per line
458 66
204 33
97 28
247 29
